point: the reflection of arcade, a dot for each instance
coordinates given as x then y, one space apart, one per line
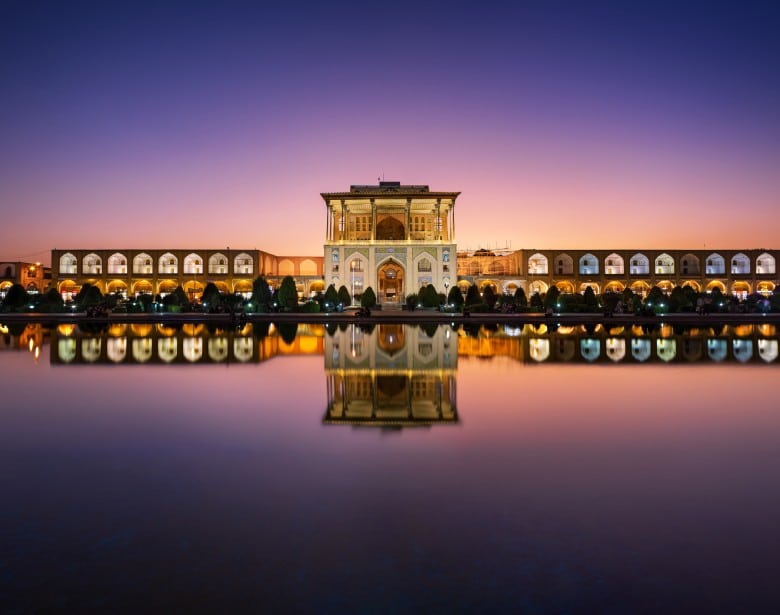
191 343
392 375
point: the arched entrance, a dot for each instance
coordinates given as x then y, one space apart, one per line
390 229
391 282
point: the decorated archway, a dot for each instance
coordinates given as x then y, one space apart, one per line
390 277
68 289
565 287
143 287
716 284
614 287
193 289
740 290
390 229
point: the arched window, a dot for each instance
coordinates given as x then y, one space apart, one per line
243 263
740 264
168 264
716 265
664 264
117 263
765 263
356 265
613 264
218 263
537 264
589 265
92 264
689 265
640 264
424 265
564 265
142 264
193 264
68 263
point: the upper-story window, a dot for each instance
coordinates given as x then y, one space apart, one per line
68 263
243 263
356 265
92 264
117 263
142 264
168 263
424 265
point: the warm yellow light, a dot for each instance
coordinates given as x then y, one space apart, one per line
66 329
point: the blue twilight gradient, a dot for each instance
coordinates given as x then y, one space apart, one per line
199 123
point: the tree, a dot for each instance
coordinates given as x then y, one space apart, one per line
589 298
344 296
521 300
455 297
287 295
368 299
331 297
429 296
774 300
551 298
536 302
177 299
472 296
51 302
88 295
16 297
261 295
211 296
489 296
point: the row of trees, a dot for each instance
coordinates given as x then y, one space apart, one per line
285 298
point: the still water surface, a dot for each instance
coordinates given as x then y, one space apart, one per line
395 468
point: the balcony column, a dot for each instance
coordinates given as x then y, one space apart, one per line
407 230
437 225
343 222
373 219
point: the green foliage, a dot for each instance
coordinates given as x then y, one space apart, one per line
472 295
428 296
610 300
211 295
287 331
489 296
589 298
536 302
261 295
16 298
455 297
344 297
412 300
571 302
655 296
331 296
51 302
551 298
774 300
521 300
368 299
310 307
287 295
88 295
477 307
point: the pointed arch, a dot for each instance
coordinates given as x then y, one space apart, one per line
589 264
564 264
117 264
613 264
92 264
168 263
740 264
716 265
243 264
640 264
537 264
142 264
765 264
664 264
68 264
218 264
689 265
193 264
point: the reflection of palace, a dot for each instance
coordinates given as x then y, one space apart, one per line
188 344
33 277
757 343
392 375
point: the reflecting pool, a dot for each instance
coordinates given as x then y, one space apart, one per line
389 468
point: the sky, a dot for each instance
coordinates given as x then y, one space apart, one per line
580 125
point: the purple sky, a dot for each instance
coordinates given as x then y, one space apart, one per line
195 124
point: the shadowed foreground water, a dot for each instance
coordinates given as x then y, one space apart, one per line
386 470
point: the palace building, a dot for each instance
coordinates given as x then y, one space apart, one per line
33 277
734 272
391 237
135 271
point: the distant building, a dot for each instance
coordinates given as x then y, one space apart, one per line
736 272
34 277
131 272
394 238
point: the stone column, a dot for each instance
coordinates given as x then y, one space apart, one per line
408 229
373 219
437 225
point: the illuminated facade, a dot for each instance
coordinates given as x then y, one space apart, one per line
736 272
390 237
132 272
391 375
33 277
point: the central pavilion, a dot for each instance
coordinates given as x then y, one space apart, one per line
394 238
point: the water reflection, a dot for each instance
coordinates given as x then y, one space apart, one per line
391 375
